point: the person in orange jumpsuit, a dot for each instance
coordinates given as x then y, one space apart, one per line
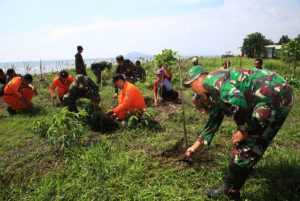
18 94
61 84
130 99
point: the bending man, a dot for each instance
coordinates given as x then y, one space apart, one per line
259 102
82 87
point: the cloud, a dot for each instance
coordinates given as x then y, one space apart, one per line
202 31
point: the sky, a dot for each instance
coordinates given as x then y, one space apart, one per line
51 29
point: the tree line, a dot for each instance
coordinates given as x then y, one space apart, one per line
254 44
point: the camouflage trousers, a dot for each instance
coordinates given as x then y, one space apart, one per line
74 94
265 123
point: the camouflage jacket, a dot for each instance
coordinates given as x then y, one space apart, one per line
237 93
87 85
79 63
101 65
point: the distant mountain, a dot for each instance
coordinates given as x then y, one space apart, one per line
134 55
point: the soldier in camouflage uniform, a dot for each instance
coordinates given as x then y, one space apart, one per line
140 71
79 63
98 67
258 100
82 87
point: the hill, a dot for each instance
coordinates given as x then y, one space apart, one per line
135 55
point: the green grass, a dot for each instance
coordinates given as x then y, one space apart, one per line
141 164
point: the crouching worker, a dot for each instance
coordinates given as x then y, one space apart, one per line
163 87
98 67
18 94
61 85
131 100
259 102
82 87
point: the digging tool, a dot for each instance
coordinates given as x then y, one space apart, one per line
182 102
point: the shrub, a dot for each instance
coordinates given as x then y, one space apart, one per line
40 127
67 128
293 81
134 120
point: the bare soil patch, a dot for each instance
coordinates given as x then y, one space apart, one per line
199 158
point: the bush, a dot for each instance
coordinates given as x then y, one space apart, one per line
293 81
134 120
40 127
66 128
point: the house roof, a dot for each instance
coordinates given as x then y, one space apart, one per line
277 47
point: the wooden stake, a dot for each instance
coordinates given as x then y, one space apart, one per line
182 102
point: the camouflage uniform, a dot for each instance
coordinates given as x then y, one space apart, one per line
79 64
259 101
98 67
82 87
140 73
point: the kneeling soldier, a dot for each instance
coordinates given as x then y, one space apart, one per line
82 87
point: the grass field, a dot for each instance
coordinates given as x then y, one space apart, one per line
140 164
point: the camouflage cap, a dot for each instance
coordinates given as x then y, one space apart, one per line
193 74
79 47
120 58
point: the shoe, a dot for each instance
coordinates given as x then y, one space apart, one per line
224 190
10 110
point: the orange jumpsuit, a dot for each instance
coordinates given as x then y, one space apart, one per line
13 91
130 99
62 87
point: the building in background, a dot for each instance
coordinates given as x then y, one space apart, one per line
273 51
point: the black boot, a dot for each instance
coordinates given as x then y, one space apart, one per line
10 110
221 191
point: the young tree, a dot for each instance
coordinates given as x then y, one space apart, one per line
167 56
283 40
254 45
290 53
